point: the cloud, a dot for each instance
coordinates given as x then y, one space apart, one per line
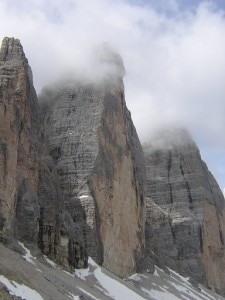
174 59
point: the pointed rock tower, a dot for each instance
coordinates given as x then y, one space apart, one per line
28 181
99 159
185 209
97 206
18 143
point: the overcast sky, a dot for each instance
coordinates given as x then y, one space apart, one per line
173 52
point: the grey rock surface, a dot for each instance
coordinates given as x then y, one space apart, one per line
51 281
73 181
29 207
185 207
100 163
18 143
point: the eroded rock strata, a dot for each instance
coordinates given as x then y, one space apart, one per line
29 196
18 143
185 207
72 178
100 163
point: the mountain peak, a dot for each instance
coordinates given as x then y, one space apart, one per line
11 50
107 58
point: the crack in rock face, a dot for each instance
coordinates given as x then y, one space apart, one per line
188 230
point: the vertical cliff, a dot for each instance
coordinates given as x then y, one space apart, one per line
18 143
73 177
84 195
100 163
186 209
29 196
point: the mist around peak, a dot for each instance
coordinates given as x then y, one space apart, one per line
101 64
168 138
174 58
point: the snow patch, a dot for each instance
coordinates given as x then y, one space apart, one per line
82 273
207 296
84 196
39 270
72 296
135 277
28 257
20 290
114 288
160 295
182 278
92 262
157 271
90 295
68 273
50 262
163 286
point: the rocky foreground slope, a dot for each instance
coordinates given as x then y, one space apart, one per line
185 209
33 276
73 183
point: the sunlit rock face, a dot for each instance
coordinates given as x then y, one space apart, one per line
29 194
91 137
18 142
185 207
72 175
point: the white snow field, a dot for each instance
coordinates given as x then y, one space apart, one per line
20 290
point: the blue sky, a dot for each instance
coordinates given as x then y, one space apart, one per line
173 53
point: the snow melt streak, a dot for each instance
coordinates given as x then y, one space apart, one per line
20 290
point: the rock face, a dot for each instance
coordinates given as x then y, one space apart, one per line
29 195
186 209
18 143
73 177
76 189
100 162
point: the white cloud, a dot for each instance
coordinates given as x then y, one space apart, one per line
175 64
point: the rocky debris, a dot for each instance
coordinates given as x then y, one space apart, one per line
100 163
52 282
185 207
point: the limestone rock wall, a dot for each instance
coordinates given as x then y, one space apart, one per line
18 143
100 163
186 209
29 195
118 186
73 177
71 174
70 133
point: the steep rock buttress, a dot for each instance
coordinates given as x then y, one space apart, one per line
84 195
18 143
28 181
91 137
185 209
